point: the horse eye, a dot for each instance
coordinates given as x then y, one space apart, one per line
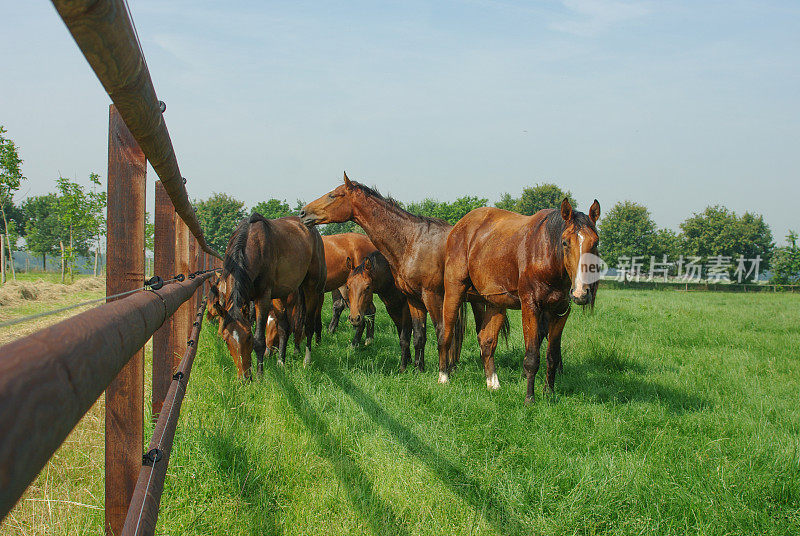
564 243
331 196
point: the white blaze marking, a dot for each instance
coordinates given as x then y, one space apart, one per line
493 383
443 377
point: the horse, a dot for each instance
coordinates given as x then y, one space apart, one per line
284 319
414 247
534 263
374 276
338 248
268 259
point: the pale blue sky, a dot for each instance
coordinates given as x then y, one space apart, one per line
676 105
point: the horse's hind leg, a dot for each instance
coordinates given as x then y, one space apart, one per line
492 322
419 317
369 318
338 307
283 336
398 312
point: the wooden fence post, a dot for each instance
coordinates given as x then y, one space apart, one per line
124 417
181 323
164 346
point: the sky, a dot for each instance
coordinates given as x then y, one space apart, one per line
674 104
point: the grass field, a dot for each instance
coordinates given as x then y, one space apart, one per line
677 413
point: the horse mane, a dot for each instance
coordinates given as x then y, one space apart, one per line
375 194
235 265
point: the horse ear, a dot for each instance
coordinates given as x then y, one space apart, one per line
566 210
349 262
367 264
347 181
594 211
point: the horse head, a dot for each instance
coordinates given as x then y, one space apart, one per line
333 207
579 245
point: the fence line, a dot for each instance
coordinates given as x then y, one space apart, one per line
50 379
143 511
690 287
104 33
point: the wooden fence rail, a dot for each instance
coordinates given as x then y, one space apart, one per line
143 511
105 34
50 379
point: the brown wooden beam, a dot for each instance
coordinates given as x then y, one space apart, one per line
164 266
127 170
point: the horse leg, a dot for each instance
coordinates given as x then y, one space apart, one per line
369 318
454 292
283 336
530 329
398 312
312 306
419 322
554 331
357 335
262 307
493 321
338 307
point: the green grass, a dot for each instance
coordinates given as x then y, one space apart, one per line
677 413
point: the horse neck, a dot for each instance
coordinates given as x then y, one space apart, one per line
552 254
389 227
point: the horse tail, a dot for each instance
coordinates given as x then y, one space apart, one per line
454 354
235 264
505 329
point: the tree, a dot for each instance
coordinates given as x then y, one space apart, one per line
507 202
786 262
219 215
627 230
719 231
542 196
43 228
80 214
450 212
10 179
273 208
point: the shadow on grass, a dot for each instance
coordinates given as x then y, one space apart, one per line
360 488
605 376
243 478
470 489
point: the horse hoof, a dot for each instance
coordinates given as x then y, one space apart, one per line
493 383
307 359
368 341
528 400
443 377
402 369
281 363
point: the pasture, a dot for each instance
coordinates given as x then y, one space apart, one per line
677 413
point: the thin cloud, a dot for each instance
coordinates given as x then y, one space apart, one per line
592 17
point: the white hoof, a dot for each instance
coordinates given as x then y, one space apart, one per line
493 383
307 359
443 377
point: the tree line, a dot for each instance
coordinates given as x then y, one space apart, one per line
73 217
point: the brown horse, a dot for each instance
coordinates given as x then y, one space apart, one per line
414 247
534 263
373 276
284 319
338 248
268 259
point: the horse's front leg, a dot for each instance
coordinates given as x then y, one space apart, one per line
338 306
530 329
555 329
369 318
262 307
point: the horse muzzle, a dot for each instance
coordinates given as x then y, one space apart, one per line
357 320
583 299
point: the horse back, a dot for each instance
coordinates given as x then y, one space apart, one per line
337 248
